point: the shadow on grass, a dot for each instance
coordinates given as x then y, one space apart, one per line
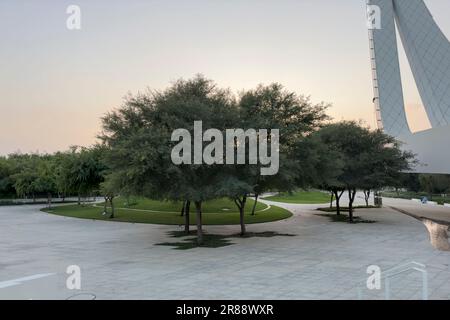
344 218
213 240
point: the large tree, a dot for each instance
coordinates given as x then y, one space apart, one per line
321 166
371 159
295 116
139 138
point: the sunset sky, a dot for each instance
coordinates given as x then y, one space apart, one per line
55 83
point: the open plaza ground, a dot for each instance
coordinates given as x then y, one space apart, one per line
307 256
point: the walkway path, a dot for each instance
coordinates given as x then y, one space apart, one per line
436 213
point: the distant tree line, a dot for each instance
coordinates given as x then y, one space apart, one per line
423 184
77 172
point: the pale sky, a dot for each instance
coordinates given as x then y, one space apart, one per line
55 84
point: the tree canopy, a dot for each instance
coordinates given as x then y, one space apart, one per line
367 159
140 138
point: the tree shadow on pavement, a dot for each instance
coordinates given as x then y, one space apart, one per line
344 218
213 240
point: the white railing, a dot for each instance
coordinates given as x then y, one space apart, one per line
397 271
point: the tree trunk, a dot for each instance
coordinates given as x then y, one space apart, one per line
241 215
79 199
34 198
367 197
331 200
112 207
49 200
254 204
105 208
186 217
351 196
198 208
338 199
183 208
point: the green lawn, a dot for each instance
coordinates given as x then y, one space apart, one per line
302 197
216 206
217 212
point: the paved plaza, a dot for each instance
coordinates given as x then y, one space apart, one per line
416 209
319 260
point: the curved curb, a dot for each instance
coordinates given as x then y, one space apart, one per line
159 211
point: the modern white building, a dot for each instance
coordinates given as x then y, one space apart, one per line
428 53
